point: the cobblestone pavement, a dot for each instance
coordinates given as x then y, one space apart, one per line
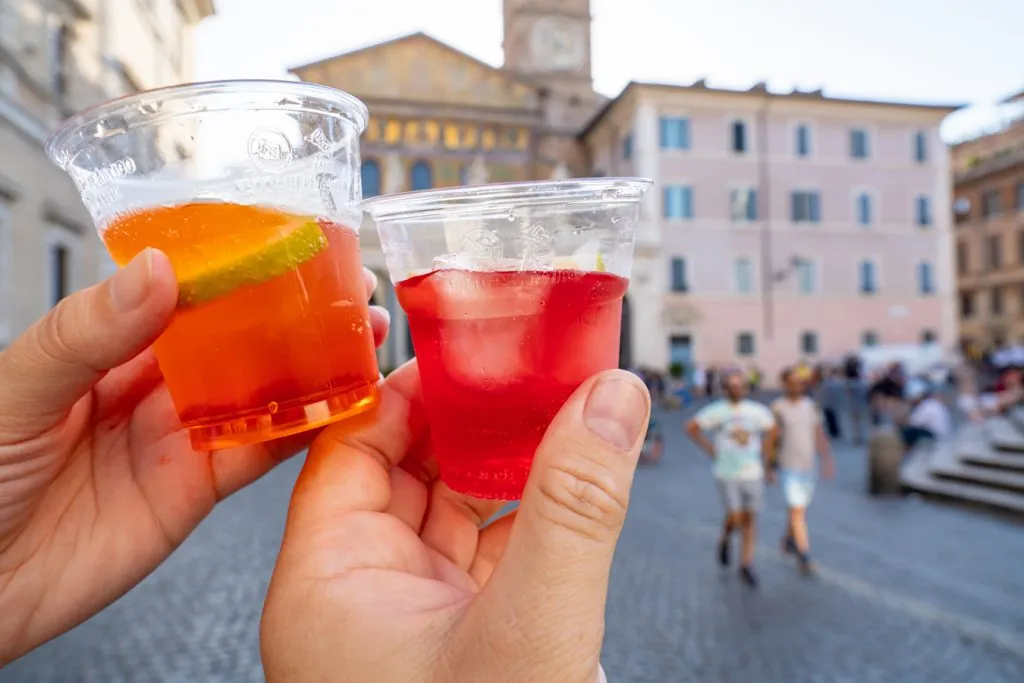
908 591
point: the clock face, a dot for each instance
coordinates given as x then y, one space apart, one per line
558 44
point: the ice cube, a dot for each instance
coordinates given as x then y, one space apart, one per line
469 294
465 261
489 354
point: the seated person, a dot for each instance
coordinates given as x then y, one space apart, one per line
928 418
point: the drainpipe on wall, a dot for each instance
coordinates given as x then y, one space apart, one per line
764 211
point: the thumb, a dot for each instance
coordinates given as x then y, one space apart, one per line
552 579
62 356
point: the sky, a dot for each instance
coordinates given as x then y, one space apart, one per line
944 51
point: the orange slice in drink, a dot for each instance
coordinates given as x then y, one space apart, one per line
293 244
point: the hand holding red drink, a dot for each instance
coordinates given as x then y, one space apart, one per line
386 575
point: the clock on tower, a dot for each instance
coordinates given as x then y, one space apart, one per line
548 40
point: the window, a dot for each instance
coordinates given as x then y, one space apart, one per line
995 252
680 350
924 211
996 301
991 204
678 201
60 39
809 343
920 147
743 204
925 278
866 277
627 147
859 144
422 176
60 265
963 258
803 141
744 274
674 132
806 207
928 336
864 209
869 338
745 344
370 173
679 283
806 277
966 304
739 137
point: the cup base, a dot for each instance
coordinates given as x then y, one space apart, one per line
503 484
285 420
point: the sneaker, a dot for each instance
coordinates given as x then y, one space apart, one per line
806 564
723 552
789 546
748 576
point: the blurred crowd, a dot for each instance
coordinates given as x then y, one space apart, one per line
854 398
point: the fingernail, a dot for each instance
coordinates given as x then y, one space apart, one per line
130 285
385 312
616 411
373 278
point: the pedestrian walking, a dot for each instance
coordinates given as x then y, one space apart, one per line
832 398
737 424
801 443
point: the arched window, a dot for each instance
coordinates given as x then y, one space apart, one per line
371 178
422 176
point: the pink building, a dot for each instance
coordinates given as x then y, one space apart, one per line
781 226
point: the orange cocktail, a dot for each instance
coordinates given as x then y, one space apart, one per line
271 335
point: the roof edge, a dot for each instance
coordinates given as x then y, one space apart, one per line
761 90
407 36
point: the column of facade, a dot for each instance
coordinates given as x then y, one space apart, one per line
647 286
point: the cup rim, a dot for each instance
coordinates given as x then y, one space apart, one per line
503 196
57 144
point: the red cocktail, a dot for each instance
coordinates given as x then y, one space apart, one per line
499 353
514 298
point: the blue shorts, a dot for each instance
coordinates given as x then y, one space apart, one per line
797 487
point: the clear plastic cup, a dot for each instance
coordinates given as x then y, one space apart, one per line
514 298
252 189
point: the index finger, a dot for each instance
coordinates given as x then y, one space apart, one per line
348 465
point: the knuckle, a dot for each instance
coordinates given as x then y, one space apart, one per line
55 336
583 496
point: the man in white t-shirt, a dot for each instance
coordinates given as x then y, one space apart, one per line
737 424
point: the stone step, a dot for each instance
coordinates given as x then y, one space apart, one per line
983 476
917 476
993 459
1004 434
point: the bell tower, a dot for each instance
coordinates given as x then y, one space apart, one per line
548 42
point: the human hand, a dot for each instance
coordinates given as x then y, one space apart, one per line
386 575
98 482
828 468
